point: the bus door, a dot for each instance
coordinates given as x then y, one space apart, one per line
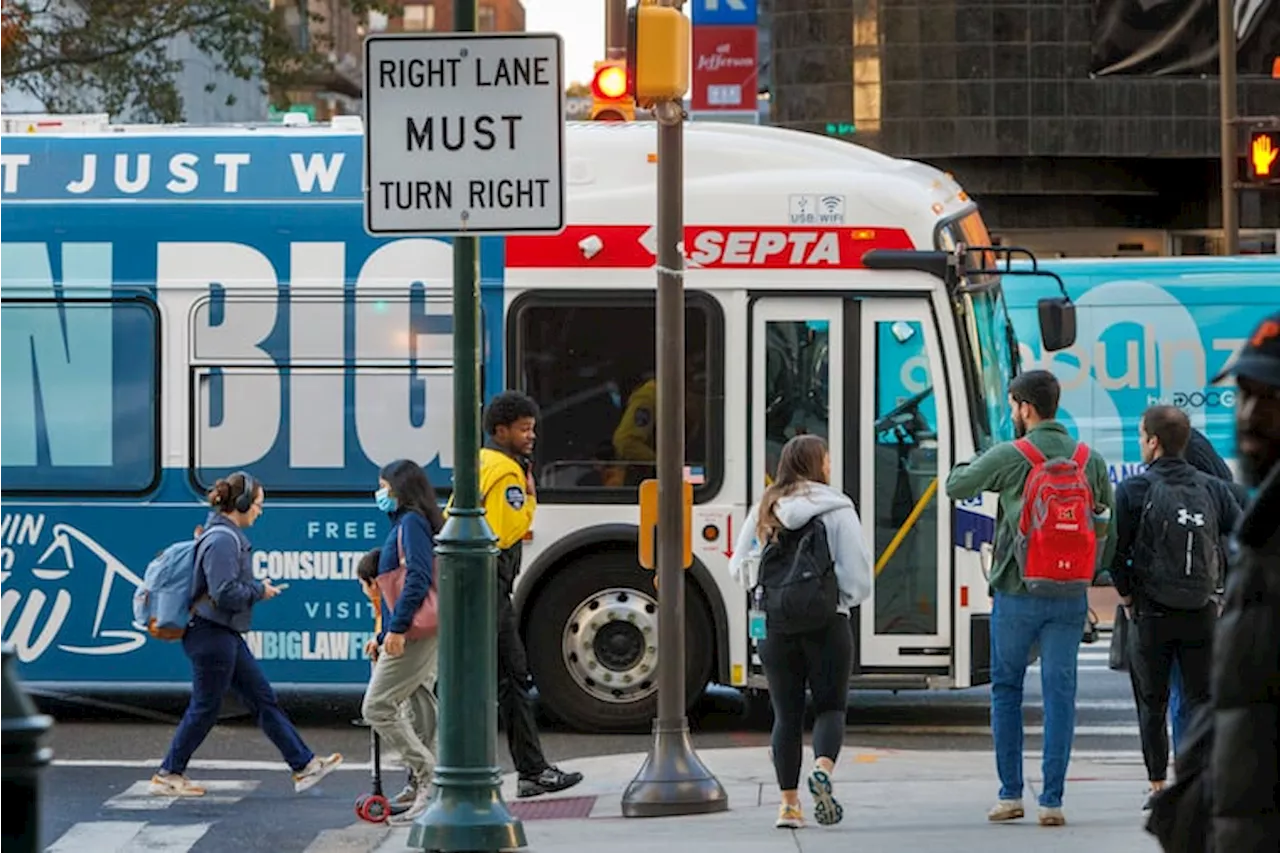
861 374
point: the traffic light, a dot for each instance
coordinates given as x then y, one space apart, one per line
657 53
1263 157
610 100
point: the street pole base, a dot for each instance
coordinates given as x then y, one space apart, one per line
673 780
467 814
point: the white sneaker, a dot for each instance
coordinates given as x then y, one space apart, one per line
1006 810
319 768
174 785
419 806
1052 816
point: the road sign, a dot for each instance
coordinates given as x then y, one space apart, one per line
724 12
725 73
464 134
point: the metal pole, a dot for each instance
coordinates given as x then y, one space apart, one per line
24 759
615 29
673 780
1227 97
468 813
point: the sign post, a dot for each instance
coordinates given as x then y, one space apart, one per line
673 780
464 135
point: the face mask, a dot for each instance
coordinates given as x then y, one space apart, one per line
386 503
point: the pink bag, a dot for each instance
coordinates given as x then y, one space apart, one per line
426 620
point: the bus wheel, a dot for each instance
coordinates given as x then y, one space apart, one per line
592 636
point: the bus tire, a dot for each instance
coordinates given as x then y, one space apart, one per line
606 680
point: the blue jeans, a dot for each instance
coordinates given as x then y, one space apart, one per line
220 659
1057 626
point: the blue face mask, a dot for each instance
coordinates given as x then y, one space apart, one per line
386 503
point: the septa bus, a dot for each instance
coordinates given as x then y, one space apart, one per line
181 302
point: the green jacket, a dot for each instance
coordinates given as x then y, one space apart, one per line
1004 470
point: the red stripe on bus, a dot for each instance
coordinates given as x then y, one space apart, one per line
706 246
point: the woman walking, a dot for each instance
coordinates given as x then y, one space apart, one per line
225 593
406 664
807 636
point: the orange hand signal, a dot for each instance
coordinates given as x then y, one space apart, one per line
1263 154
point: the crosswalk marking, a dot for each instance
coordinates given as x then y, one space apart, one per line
138 796
111 836
357 838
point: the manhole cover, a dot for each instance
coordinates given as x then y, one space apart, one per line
565 808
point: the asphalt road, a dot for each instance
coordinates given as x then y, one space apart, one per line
103 757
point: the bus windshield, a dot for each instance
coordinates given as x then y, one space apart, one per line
985 335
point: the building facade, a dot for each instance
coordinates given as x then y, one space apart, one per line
492 16
1013 97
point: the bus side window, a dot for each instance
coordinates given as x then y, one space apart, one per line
589 361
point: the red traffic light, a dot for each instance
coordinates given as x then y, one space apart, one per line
610 82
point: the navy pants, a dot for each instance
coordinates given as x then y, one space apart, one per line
221 660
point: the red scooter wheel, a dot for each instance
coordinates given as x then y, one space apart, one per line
372 808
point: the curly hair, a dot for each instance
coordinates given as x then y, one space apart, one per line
507 408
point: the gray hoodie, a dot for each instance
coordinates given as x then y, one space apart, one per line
844 534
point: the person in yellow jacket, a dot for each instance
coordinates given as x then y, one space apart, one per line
509 497
633 439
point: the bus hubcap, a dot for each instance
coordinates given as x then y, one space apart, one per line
611 645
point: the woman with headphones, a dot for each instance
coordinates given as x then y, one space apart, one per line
223 594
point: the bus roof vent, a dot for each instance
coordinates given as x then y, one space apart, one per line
47 123
347 124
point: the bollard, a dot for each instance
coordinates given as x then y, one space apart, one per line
24 759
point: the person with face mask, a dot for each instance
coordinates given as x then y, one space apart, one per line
406 664
1021 620
1227 795
1170 523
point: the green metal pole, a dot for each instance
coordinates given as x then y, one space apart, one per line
468 813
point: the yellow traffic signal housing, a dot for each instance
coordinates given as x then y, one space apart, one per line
657 53
610 98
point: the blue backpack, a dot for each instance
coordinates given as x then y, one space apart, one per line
162 605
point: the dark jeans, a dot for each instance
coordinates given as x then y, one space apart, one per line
515 705
1162 637
220 659
821 659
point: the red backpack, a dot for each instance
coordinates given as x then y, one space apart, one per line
1056 546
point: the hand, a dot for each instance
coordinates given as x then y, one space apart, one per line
393 645
371 649
269 591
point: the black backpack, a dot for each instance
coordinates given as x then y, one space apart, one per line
1179 533
798 580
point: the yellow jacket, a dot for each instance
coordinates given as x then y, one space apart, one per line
633 440
508 505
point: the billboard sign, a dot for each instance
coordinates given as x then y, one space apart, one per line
725 69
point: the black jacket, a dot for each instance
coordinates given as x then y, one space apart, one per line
1131 495
1245 768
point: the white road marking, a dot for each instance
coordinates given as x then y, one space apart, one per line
1081 731
104 836
138 797
356 838
234 765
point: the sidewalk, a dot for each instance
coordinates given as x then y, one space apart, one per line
923 802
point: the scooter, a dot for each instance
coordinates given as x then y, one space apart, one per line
374 807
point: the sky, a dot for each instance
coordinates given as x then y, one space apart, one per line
580 23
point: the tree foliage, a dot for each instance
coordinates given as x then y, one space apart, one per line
116 56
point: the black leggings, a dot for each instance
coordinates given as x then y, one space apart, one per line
822 659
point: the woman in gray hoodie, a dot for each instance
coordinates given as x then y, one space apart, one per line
822 657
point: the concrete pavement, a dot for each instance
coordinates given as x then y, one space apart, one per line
893 800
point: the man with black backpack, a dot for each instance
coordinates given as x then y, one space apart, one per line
1171 525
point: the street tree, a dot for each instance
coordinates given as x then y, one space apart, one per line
116 56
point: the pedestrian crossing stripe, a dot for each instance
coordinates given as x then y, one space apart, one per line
112 836
138 796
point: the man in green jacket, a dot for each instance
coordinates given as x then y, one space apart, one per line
1020 620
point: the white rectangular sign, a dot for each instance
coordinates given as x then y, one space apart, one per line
464 133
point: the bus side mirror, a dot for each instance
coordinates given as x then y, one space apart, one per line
1057 323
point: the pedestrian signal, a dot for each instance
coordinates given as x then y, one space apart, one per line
609 98
1263 155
